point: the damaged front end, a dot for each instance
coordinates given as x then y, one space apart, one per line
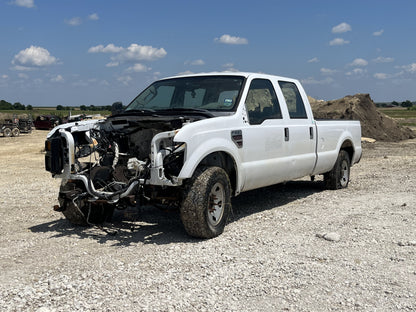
113 164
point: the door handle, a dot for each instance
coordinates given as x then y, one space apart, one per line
311 133
286 134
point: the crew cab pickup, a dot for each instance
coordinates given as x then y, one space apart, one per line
194 141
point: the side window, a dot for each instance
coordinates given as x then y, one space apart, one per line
294 102
261 102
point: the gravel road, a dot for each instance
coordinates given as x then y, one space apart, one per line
291 247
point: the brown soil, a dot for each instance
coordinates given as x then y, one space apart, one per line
361 107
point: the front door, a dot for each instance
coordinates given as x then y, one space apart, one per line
263 156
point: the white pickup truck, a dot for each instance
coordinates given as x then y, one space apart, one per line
193 142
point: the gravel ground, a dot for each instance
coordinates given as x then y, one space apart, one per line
291 247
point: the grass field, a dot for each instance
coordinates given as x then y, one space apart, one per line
398 112
402 115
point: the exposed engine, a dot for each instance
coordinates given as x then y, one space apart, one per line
111 162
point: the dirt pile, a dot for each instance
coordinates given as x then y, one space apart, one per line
374 124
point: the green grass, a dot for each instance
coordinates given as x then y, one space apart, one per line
398 113
403 116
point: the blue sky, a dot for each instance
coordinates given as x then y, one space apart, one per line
96 52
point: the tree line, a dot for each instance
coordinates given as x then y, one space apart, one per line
4 105
408 104
403 104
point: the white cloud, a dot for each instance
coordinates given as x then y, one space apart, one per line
380 76
112 64
382 59
137 52
356 72
227 39
24 3
187 72
231 69
138 68
338 41
411 68
4 76
313 60
57 78
327 71
125 79
313 81
33 57
195 62
133 53
23 76
341 28
93 17
110 48
75 21
378 33
358 62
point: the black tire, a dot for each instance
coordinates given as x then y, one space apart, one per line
207 203
80 211
339 176
7 132
15 132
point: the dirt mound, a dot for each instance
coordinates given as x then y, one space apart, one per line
374 124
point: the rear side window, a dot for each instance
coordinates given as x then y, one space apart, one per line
294 101
261 102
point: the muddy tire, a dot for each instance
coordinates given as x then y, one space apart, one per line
79 211
15 132
339 176
7 132
206 203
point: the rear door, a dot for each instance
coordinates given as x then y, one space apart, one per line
300 131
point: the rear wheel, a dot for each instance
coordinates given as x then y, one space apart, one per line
15 132
207 203
339 176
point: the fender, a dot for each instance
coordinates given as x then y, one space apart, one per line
195 156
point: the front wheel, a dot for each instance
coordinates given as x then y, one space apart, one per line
7 132
339 176
206 203
79 211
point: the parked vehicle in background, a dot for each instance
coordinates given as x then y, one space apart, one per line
15 126
193 142
47 122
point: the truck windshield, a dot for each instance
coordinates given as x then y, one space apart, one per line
212 93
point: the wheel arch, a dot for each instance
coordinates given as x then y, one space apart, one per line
215 153
348 146
225 161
